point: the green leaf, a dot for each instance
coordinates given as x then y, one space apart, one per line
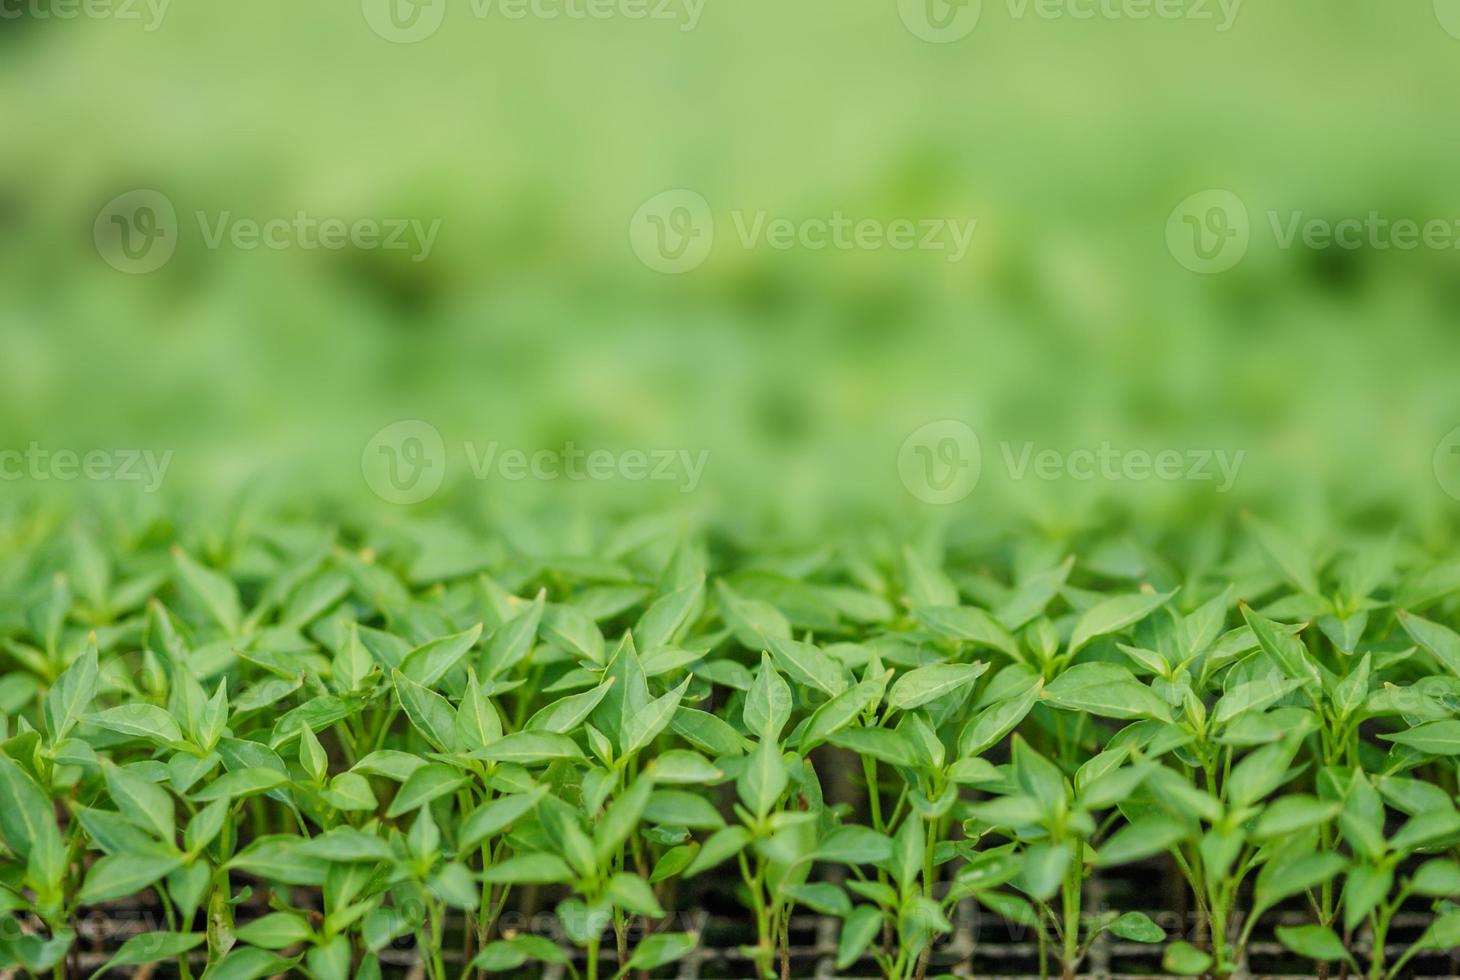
925 684
494 817
72 694
250 963
530 748
808 665
858 931
1107 690
853 844
275 930
643 726
427 783
1289 874
567 714
968 625
454 884
1113 615
1315 942
1442 933
150 947
144 804
346 845
620 820
511 642
574 631
1184 959
633 894
239 784
28 822
1284 554
1261 772
768 705
722 845
1431 738
668 615
1439 878
122 875
753 621
541 869
707 733
428 711
211 591
1044 865
1138 928
764 778
508 954
427 664
1293 813
908 846
821 896
1251 696
1141 838
990 725
681 766
660 948
1285 650
141 720
888 745
1438 641
682 809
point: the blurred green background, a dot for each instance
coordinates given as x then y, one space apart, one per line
532 323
